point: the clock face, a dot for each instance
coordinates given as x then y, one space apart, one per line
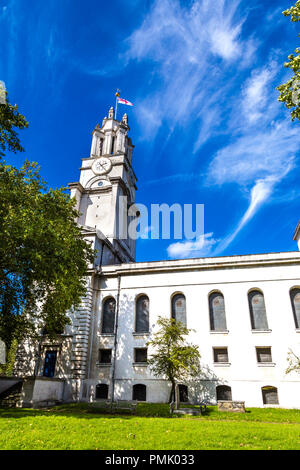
101 165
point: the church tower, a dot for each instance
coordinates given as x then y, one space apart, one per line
106 190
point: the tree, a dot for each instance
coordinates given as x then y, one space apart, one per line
173 357
290 91
10 118
43 255
293 362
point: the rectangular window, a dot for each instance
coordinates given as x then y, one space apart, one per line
220 355
270 396
112 145
105 356
50 362
140 355
264 354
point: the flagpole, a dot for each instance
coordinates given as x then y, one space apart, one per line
117 94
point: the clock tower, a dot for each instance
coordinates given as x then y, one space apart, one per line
106 190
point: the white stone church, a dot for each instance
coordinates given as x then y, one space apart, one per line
244 310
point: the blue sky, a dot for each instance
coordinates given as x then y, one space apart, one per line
206 123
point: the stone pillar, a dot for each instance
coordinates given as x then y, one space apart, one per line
81 321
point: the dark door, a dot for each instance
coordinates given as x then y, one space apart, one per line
102 391
139 392
183 393
50 361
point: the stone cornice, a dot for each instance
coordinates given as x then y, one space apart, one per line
200 264
92 232
76 185
115 160
297 232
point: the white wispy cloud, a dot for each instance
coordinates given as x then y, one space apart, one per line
263 152
200 56
192 249
260 192
185 46
255 93
259 160
267 152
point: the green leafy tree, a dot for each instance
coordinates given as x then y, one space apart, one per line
43 255
173 358
293 362
9 119
290 91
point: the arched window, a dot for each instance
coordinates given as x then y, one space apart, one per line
224 393
108 315
179 308
270 395
183 393
295 299
142 314
139 392
217 312
102 391
258 313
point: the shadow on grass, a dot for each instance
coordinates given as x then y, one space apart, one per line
78 411
87 411
152 410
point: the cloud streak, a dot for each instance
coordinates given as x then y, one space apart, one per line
192 249
186 46
205 67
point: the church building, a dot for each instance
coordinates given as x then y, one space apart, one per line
244 310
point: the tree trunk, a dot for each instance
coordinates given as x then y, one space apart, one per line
172 394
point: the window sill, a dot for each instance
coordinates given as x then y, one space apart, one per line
140 364
140 334
261 331
103 364
106 334
224 332
266 364
222 364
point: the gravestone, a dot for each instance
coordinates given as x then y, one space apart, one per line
233 406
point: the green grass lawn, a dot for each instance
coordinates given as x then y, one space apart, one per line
80 427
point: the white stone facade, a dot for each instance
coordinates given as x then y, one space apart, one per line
115 276
273 274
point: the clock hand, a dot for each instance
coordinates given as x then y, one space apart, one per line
100 164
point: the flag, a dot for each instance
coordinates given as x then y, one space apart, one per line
122 101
